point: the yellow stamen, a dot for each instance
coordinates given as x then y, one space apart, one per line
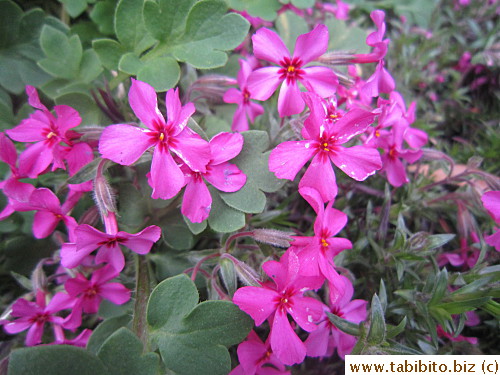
50 135
162 136
291 69
325 147
324 243
377 133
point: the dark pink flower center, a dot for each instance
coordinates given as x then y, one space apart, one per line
92 291
112 242
40 318
246 96
291 69
327 144
284 301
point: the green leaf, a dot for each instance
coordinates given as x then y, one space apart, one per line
103 16
437 240
393 331
290 26
74 7
440 287
109 52
130 63
129 26
195 228
104 330
463 306
209 32
122 353
254 163
162 73
224 218
344 325
376 334
176 233
54 360
228 275
192 338
90 66
266 9
166 19
63 53
20 48
345 37
303 3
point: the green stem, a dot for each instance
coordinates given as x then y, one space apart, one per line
142 292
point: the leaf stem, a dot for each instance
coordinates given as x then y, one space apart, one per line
142 292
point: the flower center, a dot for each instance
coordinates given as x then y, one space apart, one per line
246 96
291 69
393 153
324 243
51 134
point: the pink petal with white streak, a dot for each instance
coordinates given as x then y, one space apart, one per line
358 162
288 158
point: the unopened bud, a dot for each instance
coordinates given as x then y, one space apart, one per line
336 58
104 196
228 275
247 275
273 237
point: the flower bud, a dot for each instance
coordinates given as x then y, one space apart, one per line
273 237
104 196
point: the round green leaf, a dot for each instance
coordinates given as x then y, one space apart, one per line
162 73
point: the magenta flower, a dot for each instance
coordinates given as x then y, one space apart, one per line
124 144
262 83
491 201
278 300
49 212
256 358
32 316
48 132
323 341
14 190
224 176
88 294
316 253
323 140
246 109
87 239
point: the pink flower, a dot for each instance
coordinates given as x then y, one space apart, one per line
323 341
316 253
14 190
246 108
32 316
491 201
224 176
323 140
88 294
49 212
256 358
124 144
278 300
263 82
48 132
87 239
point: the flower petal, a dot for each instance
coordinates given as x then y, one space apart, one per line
193 150
197 201
284 341
258 302
225 146
142 242
320 176
143 101
267 45
321 80
263 82
311 45
167 178
290 101
35 159
226 177
115 292
124 144
358 162
288 158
